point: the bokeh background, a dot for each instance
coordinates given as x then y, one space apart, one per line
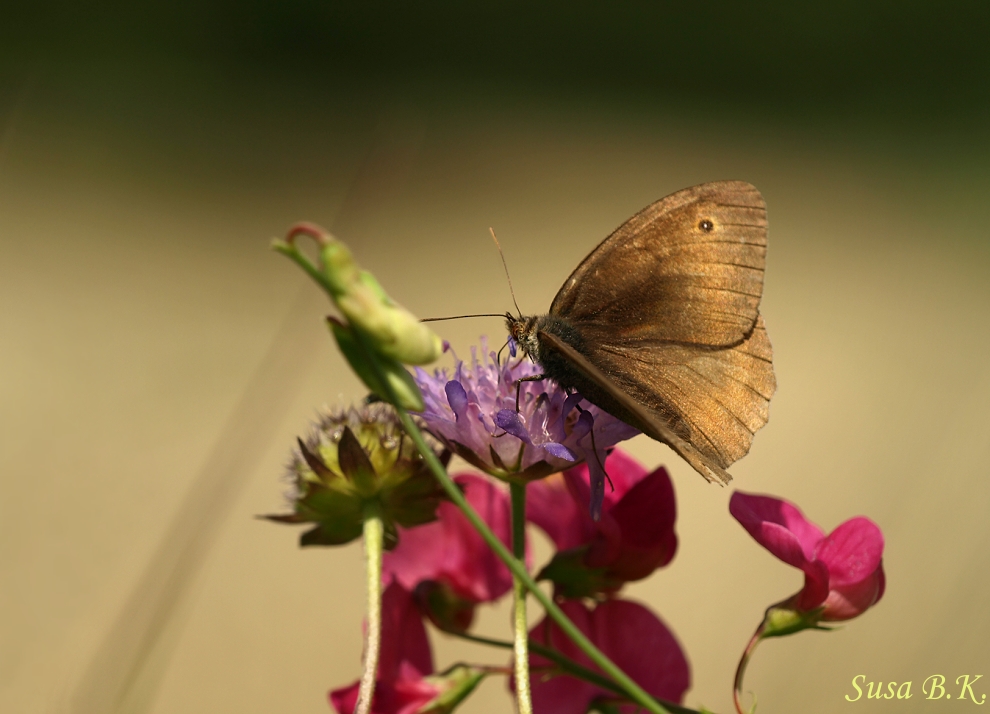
157 361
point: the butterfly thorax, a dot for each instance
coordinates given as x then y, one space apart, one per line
526 330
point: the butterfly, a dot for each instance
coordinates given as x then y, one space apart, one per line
660 325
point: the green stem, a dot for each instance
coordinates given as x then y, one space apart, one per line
567 665
518 568
299 258
520 627
374 532
563 661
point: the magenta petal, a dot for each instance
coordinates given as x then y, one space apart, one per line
852 551
816 586
405 649
849 601
344 699
778 526
646 517
552 507
632 636
450 551
639 642
606 547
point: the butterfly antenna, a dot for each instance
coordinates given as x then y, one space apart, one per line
461 317
506 268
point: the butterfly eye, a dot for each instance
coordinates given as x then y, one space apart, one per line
706 225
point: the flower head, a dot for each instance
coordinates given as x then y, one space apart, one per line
349 458
630 635
634 536
473 411
843 571
447 564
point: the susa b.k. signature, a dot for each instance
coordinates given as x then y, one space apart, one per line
932 688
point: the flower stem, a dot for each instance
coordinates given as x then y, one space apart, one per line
374 532
518 568
567 665
741 668
520 627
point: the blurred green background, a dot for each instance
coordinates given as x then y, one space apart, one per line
157 360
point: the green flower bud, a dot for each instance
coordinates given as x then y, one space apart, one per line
393 331
350 458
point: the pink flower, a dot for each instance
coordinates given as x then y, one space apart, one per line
405 660
634 536
447 564
630 635
842 571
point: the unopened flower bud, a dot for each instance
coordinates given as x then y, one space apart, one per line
393 331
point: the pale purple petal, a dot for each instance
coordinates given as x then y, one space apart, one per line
559 451
457 398
510 421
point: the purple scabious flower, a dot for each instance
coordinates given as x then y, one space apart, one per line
473 411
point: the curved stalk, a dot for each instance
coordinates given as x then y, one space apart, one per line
520 628
741 668
374 532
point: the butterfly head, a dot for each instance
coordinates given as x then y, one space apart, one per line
523 330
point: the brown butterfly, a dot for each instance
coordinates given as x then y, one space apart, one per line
660 325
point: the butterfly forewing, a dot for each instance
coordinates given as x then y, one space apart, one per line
688 269
665 324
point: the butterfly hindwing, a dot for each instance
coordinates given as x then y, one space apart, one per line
648 420
715 398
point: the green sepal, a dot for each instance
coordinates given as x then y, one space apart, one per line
573 579
447 610
414 501
337 514
781 620
356 465
458 683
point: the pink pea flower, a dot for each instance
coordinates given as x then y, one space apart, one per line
447 564
633 537
630 635
843 571
405 682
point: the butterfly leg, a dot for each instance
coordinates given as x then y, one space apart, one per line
594 447
530 378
